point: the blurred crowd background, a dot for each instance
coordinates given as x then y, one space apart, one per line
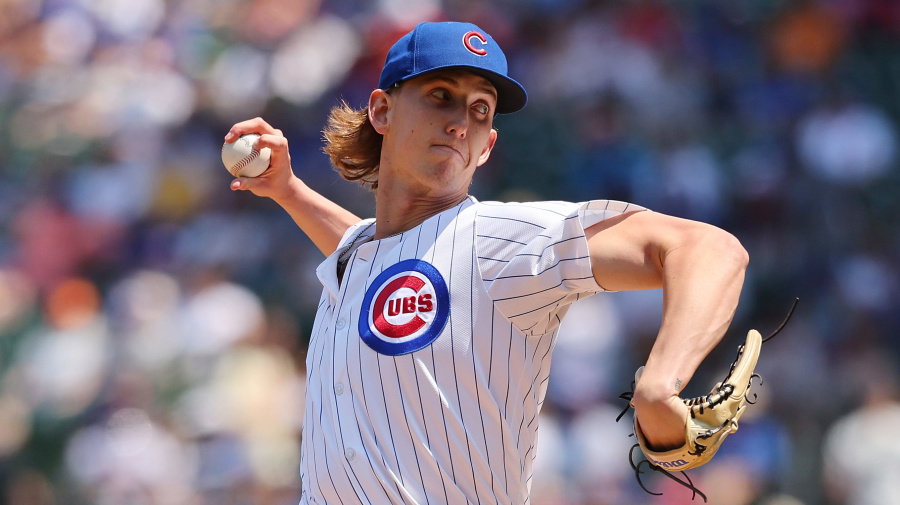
153 323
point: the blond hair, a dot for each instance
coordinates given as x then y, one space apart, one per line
353 144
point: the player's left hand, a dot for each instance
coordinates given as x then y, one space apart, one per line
662 419
706 420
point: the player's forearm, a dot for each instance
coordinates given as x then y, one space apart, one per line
702 281
323 221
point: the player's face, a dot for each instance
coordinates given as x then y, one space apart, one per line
440 128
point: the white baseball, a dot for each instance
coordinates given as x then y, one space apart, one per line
242 159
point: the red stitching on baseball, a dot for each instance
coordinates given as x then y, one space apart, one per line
244 162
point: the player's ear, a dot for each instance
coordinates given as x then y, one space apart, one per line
379 108
486 152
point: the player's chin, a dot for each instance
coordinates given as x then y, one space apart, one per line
443 151
445 168
453 168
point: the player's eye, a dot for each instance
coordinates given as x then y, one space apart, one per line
482 108
441 94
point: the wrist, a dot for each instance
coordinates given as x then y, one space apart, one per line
291 192
665 376
655 388
647 395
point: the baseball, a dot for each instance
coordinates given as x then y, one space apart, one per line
242 159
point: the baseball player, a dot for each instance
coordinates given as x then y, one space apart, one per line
430 353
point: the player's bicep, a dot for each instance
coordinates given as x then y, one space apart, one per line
627 250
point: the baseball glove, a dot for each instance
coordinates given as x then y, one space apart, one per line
710 419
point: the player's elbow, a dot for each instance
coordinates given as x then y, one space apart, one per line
707 247
737 252
728 250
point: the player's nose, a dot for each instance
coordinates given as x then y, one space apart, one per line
458 124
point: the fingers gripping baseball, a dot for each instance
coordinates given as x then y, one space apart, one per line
275 180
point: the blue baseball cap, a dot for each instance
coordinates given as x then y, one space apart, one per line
434 46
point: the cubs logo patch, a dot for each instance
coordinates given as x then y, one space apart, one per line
405 308
476 46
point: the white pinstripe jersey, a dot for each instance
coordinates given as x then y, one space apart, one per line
428 363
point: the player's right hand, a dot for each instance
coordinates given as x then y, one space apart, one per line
276 181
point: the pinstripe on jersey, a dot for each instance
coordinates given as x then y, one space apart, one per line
454 422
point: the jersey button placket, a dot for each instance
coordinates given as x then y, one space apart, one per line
346 335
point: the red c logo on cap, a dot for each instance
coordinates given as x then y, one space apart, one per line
467 40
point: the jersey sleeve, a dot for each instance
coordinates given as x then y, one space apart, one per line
534 259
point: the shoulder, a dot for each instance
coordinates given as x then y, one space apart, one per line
547 213
535 213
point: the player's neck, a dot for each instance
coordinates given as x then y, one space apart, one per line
397 211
